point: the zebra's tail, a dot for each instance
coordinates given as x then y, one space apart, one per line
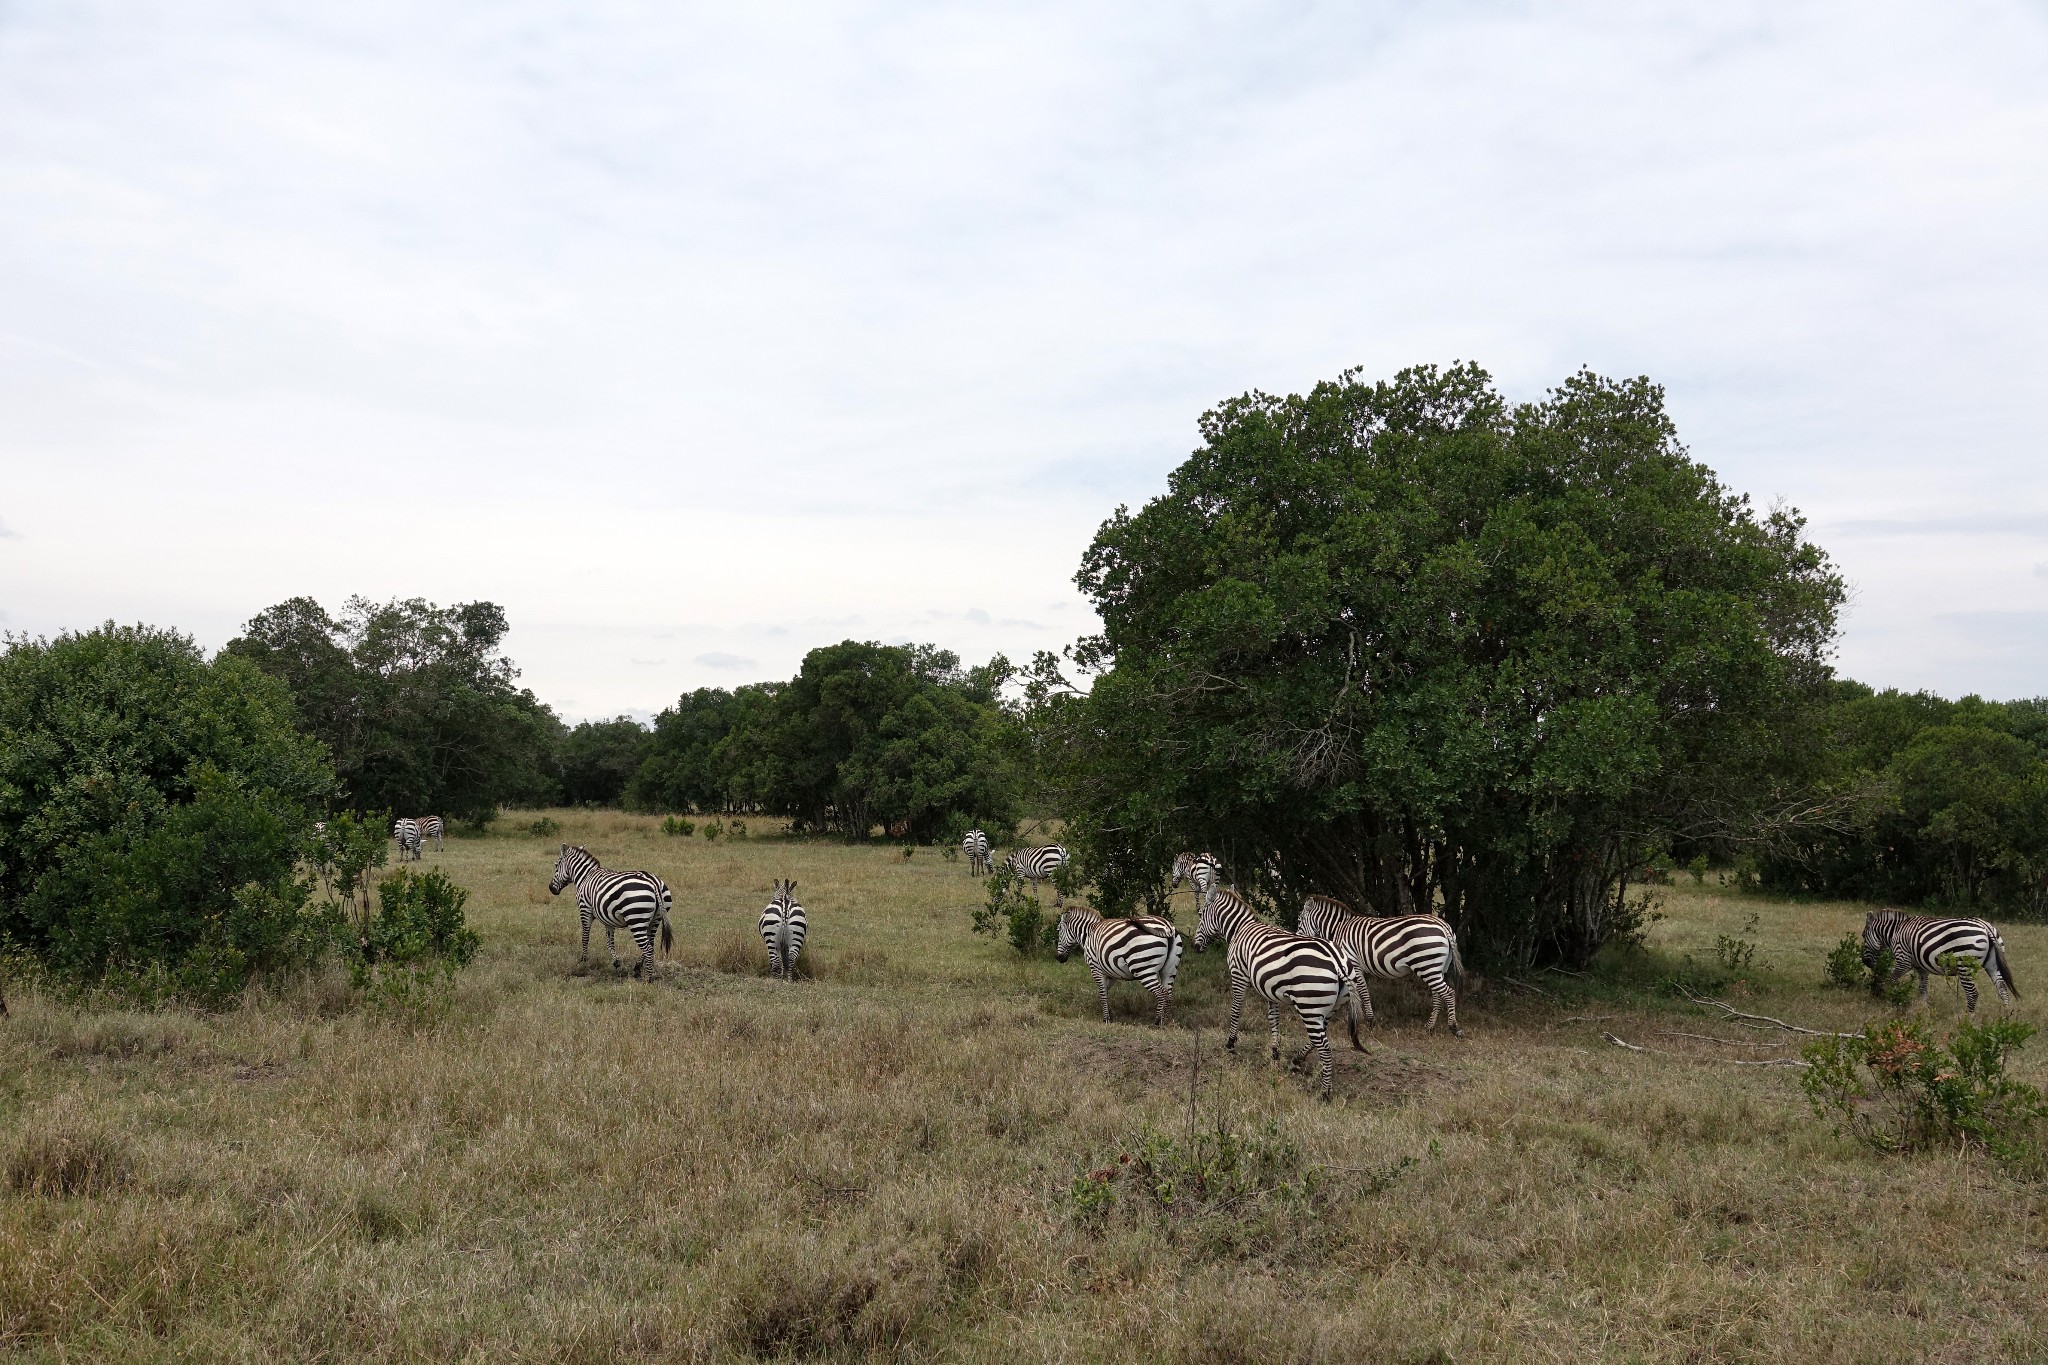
1173 960
1355 1010
668 935
2004 967
1457 965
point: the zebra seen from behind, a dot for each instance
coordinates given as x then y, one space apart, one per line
1421 946
783 927
1037 865
1312 975
407 832
1199 870
633 901
1894 942
1144 948
431 828
980 862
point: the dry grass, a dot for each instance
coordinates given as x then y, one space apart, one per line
573 1166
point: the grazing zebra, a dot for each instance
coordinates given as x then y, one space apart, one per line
1200 870
635 901
1144 948
1036 865
430 828
782 929
1313 976
979 861
1421 946
407 832
1894 942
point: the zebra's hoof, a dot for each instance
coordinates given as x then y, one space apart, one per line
1457 1032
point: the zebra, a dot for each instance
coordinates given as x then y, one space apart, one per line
1313 976
407 832
1036 865
632 900
782 929
979 861
1894 942
1421 946
1199 870
1144 948
430 828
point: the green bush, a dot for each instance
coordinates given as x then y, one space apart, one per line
677 827
407 954
1897 1089
1010 912
712 829
1698 868
1845 967
547 827
1738 952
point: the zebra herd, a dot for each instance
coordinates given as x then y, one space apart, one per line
412 833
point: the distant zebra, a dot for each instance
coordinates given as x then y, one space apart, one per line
980 863
1313 976
1036 865
634 901
1894 942
407 832
782 928
1144 948
430 828
1421 946
1200 870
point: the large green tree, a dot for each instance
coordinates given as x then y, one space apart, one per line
1410 644
421 711
598 759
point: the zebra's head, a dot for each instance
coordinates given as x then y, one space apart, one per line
1209 924
1197 869
785 892
567 867
1880 928
1073 928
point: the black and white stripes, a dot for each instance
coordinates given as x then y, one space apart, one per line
432 828
1144 948
407 832
980 862
634 901
1036 865
1421 946
1313 976
1897 942
783 926
1201 870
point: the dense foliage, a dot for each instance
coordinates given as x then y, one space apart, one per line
421 713
1411 645
1934 803
865 736
152 809
599 757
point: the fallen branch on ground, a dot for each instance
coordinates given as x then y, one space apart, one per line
1527 987
1734 1015
1724 1042
1725 1061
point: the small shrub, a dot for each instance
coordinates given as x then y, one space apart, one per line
406 955
950 852
712 829
1897 1089
736 829
678 828
1698 868
1010 912
1845 968
1744 876
547 827
1738 953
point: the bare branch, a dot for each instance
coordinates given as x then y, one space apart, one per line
1733 1014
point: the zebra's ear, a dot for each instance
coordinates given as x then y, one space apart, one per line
565 850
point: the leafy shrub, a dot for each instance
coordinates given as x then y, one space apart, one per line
1698 868
1896 1088
408 953
547 827
737 829
1845 967
1011 913
1737 953
677 827
712 829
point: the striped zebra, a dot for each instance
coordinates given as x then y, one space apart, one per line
1144 948
1894 942
407 832
1036 865
431 828
1421 946
980 862
634 901
1199 870
1313 976
782 928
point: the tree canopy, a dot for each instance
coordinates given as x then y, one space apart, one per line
420 711
1410 644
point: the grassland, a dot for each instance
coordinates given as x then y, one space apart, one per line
568 1166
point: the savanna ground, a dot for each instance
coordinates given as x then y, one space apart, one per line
569 1166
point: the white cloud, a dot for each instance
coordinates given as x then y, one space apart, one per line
619 316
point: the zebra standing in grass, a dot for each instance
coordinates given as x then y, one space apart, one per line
1313 976
407 832
431 828
1894 942
782 928
979 862
1421 946
1036 865
1144 948
1200 870
634 901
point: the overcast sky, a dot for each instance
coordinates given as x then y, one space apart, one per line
700 336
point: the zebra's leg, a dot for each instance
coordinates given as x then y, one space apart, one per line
611 944
1997 979
1923 984
1237 985
1969 990
1101 990
1162 996
1451 1009
645 938
586 937
1273 1020
1318 1028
